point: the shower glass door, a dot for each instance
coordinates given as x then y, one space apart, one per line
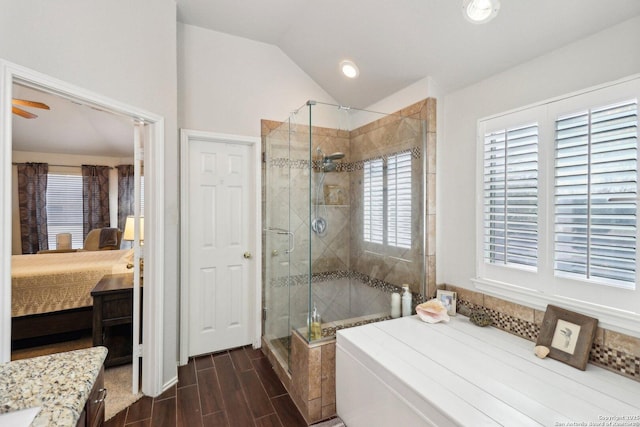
286 232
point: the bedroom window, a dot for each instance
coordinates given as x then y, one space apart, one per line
64 208
387 201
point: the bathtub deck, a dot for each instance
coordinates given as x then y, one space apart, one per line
406 372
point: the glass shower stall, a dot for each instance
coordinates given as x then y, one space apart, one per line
344 195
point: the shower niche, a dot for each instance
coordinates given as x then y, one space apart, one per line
348 205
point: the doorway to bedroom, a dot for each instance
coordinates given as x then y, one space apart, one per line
92 150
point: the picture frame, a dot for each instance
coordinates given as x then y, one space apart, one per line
449 299
568 336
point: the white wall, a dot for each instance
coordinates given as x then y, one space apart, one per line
124 50
603 57
227 84
417 91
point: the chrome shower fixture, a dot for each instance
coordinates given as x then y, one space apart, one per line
335 156
328 164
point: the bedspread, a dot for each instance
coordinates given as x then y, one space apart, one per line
51 282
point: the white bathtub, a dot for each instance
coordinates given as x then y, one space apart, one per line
404 372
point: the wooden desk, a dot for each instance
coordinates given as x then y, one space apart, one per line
113 317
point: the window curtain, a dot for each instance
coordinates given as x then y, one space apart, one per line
32 200
125 194
95 195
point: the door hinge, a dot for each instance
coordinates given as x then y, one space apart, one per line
139 350
264 157
264 313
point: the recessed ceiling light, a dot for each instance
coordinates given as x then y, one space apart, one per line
480 11
349 69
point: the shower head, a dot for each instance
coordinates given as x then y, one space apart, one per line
327 161
335 156
329 166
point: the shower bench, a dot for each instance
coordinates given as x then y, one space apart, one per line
406 372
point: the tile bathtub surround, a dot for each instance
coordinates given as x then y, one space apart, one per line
60 383
610 350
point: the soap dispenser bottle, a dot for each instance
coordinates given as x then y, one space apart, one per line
406 301
316 324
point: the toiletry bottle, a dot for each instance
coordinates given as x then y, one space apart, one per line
406 301
316 324
395 305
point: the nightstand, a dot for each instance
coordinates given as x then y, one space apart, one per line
113 317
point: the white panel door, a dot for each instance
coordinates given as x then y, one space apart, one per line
221 245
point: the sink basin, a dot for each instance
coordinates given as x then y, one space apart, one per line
21 418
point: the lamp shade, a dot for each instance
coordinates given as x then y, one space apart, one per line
128 229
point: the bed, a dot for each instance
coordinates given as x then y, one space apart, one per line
51 293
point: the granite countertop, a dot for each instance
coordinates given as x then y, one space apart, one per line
59 383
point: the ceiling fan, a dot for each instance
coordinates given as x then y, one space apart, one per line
26 103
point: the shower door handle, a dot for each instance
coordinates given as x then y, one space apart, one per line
292 242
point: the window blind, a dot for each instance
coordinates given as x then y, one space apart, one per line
399 200
373 201
64 208
595 193
142 196
510 207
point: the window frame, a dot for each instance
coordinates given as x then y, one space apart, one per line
77 242
617 308
385 245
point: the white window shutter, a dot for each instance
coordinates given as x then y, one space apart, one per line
399 200
510 208
373 201
596 193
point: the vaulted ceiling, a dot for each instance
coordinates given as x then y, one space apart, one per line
396 43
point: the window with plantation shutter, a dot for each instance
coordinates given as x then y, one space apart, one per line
373 201
387 201
64 208
596 185
510 185
399 200
576 245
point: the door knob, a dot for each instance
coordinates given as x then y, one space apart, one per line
247 255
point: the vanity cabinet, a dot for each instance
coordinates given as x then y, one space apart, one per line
93 413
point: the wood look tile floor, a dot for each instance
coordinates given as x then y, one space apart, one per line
235 388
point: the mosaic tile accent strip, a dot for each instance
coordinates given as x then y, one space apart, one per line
600 355
283 162
303 279
616 361
359 165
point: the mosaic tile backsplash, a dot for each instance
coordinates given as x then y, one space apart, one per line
613 351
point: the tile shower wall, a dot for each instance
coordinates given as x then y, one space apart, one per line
611 350
341 197
380 139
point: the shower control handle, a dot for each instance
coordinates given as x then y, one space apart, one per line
247 255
